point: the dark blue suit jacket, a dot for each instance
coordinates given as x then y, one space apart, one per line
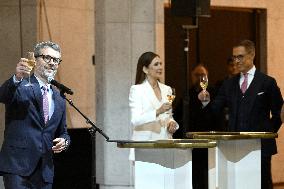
26 137
262 99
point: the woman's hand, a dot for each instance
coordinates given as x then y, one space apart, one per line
172 127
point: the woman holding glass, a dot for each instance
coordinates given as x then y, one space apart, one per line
151 117
150 108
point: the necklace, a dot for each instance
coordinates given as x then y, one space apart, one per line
154 87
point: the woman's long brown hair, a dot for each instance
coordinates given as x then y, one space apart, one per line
144 60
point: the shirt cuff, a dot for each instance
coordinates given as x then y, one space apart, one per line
205 104
66 144
15 80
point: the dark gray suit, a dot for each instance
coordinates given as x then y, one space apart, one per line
251 111
27 139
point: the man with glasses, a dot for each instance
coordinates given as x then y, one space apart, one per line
35 122
254 102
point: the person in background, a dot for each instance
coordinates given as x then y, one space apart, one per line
197 122
254 102
35 121
232 70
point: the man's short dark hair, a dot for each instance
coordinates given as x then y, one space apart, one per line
248 45
45 44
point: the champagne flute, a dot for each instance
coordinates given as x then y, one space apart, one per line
31 64
171 97
204 83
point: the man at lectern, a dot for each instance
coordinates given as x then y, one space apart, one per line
35 121
254 103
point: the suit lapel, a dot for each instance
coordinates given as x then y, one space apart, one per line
56 97
253 89
236 94
38 96
150 94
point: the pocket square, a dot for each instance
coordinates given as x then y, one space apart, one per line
260 93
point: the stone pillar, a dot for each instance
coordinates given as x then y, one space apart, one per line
10 42
124 30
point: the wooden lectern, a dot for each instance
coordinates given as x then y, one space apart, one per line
164 164
235 162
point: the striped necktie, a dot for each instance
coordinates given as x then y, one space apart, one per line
45 104
245 83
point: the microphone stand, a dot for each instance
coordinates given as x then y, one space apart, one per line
185 103
92 130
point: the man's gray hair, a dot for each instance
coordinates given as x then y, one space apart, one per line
45 44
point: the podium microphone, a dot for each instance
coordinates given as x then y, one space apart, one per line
60 86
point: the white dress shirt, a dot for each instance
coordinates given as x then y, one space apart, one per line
49 96
250 76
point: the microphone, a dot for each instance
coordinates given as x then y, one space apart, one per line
60 86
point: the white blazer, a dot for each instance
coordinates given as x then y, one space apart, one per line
143 104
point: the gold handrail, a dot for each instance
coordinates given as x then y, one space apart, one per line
171 143
215 135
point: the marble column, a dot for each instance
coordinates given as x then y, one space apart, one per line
124 30
11 48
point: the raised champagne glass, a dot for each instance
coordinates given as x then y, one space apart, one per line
204 83
31 64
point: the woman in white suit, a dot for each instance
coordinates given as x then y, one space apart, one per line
151 115
151 119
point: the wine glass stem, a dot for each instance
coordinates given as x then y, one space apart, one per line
29 78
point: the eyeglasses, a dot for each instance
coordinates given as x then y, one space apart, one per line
238 57
47 59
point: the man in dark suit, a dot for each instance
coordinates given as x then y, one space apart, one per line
35 121
251 97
